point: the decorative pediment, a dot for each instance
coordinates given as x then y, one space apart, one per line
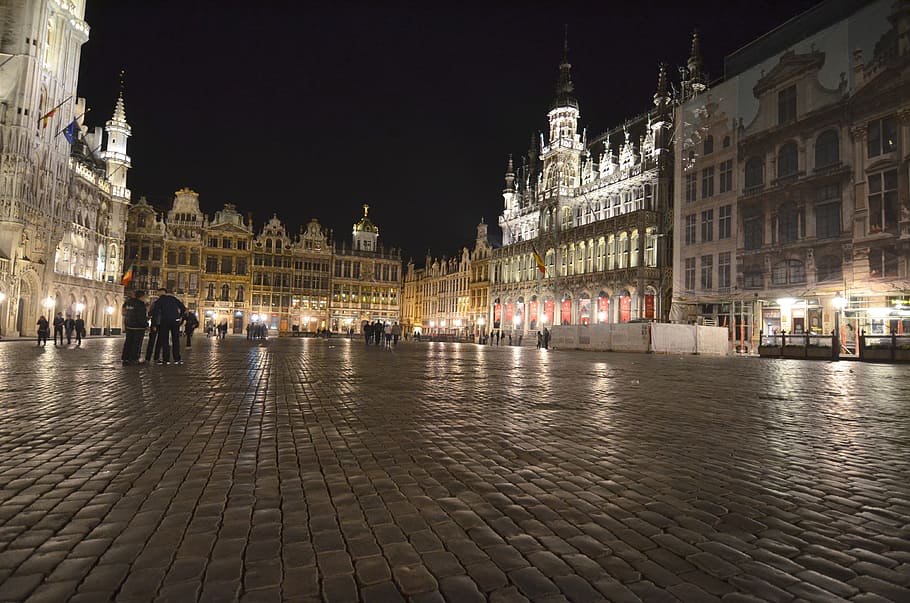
791 66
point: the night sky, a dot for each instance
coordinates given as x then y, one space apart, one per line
313 109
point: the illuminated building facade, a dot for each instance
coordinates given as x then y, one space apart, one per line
366 280
226 270
63 195
596 212
291 278
812 219
449 296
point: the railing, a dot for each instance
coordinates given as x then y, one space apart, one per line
888 348
799 345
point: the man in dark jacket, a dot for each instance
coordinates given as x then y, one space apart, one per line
58 328
172 312
134 321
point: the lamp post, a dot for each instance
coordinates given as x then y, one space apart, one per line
839 302
110 312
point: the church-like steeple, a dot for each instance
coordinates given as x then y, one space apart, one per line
564 86
661 123
510 175
695 67
118 162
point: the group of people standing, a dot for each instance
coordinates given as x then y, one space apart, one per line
163 320
73 327
376 332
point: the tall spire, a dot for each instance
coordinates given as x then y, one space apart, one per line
510 175
695 66
564 86
662 96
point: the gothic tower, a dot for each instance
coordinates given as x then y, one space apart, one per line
561 154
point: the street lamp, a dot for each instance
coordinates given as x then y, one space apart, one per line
79 308
110 312
49 303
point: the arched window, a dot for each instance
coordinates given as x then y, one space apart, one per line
709 145
828 268
623 251
611 253
268 244
211 292
827 151
754 175
787 162
225 292
278 245
649 197
240 293
633 252
726 142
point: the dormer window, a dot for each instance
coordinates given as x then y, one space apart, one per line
709 145
786 105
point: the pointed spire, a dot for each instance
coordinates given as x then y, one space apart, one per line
119 118
564 86
695 66
510 175
662 96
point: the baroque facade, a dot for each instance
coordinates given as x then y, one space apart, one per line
63 194
449 296
228 273
809 142
596 213
366 280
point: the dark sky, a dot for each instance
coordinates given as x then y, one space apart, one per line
312 109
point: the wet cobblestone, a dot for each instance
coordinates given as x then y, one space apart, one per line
312 469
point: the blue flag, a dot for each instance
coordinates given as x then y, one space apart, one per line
70 131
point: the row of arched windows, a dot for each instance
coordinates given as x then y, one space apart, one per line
225 293
827 153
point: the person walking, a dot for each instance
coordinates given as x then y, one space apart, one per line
44 330
189 326
70 325
79 326
396 333
58 328
172 312
135 319
387 331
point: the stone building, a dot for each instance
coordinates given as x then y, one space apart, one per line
226 278
807 227
595 213
366 280
63 195
449 297
291 278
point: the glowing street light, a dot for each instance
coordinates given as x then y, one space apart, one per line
110 312
80 307
49 303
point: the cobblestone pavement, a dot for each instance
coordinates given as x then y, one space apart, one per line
305 470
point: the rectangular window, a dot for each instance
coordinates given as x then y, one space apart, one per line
723 270
690 229
226 243
786 105
691 193
752 231
227 265
881 136
707 182
883 262
690 274
724 221
707 268
883 210
213 242
827 212
726 176
707 225
211 264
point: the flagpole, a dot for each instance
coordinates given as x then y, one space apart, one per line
75 119
50 113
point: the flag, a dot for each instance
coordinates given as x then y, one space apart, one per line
46 118
540 265
69 132
125 281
